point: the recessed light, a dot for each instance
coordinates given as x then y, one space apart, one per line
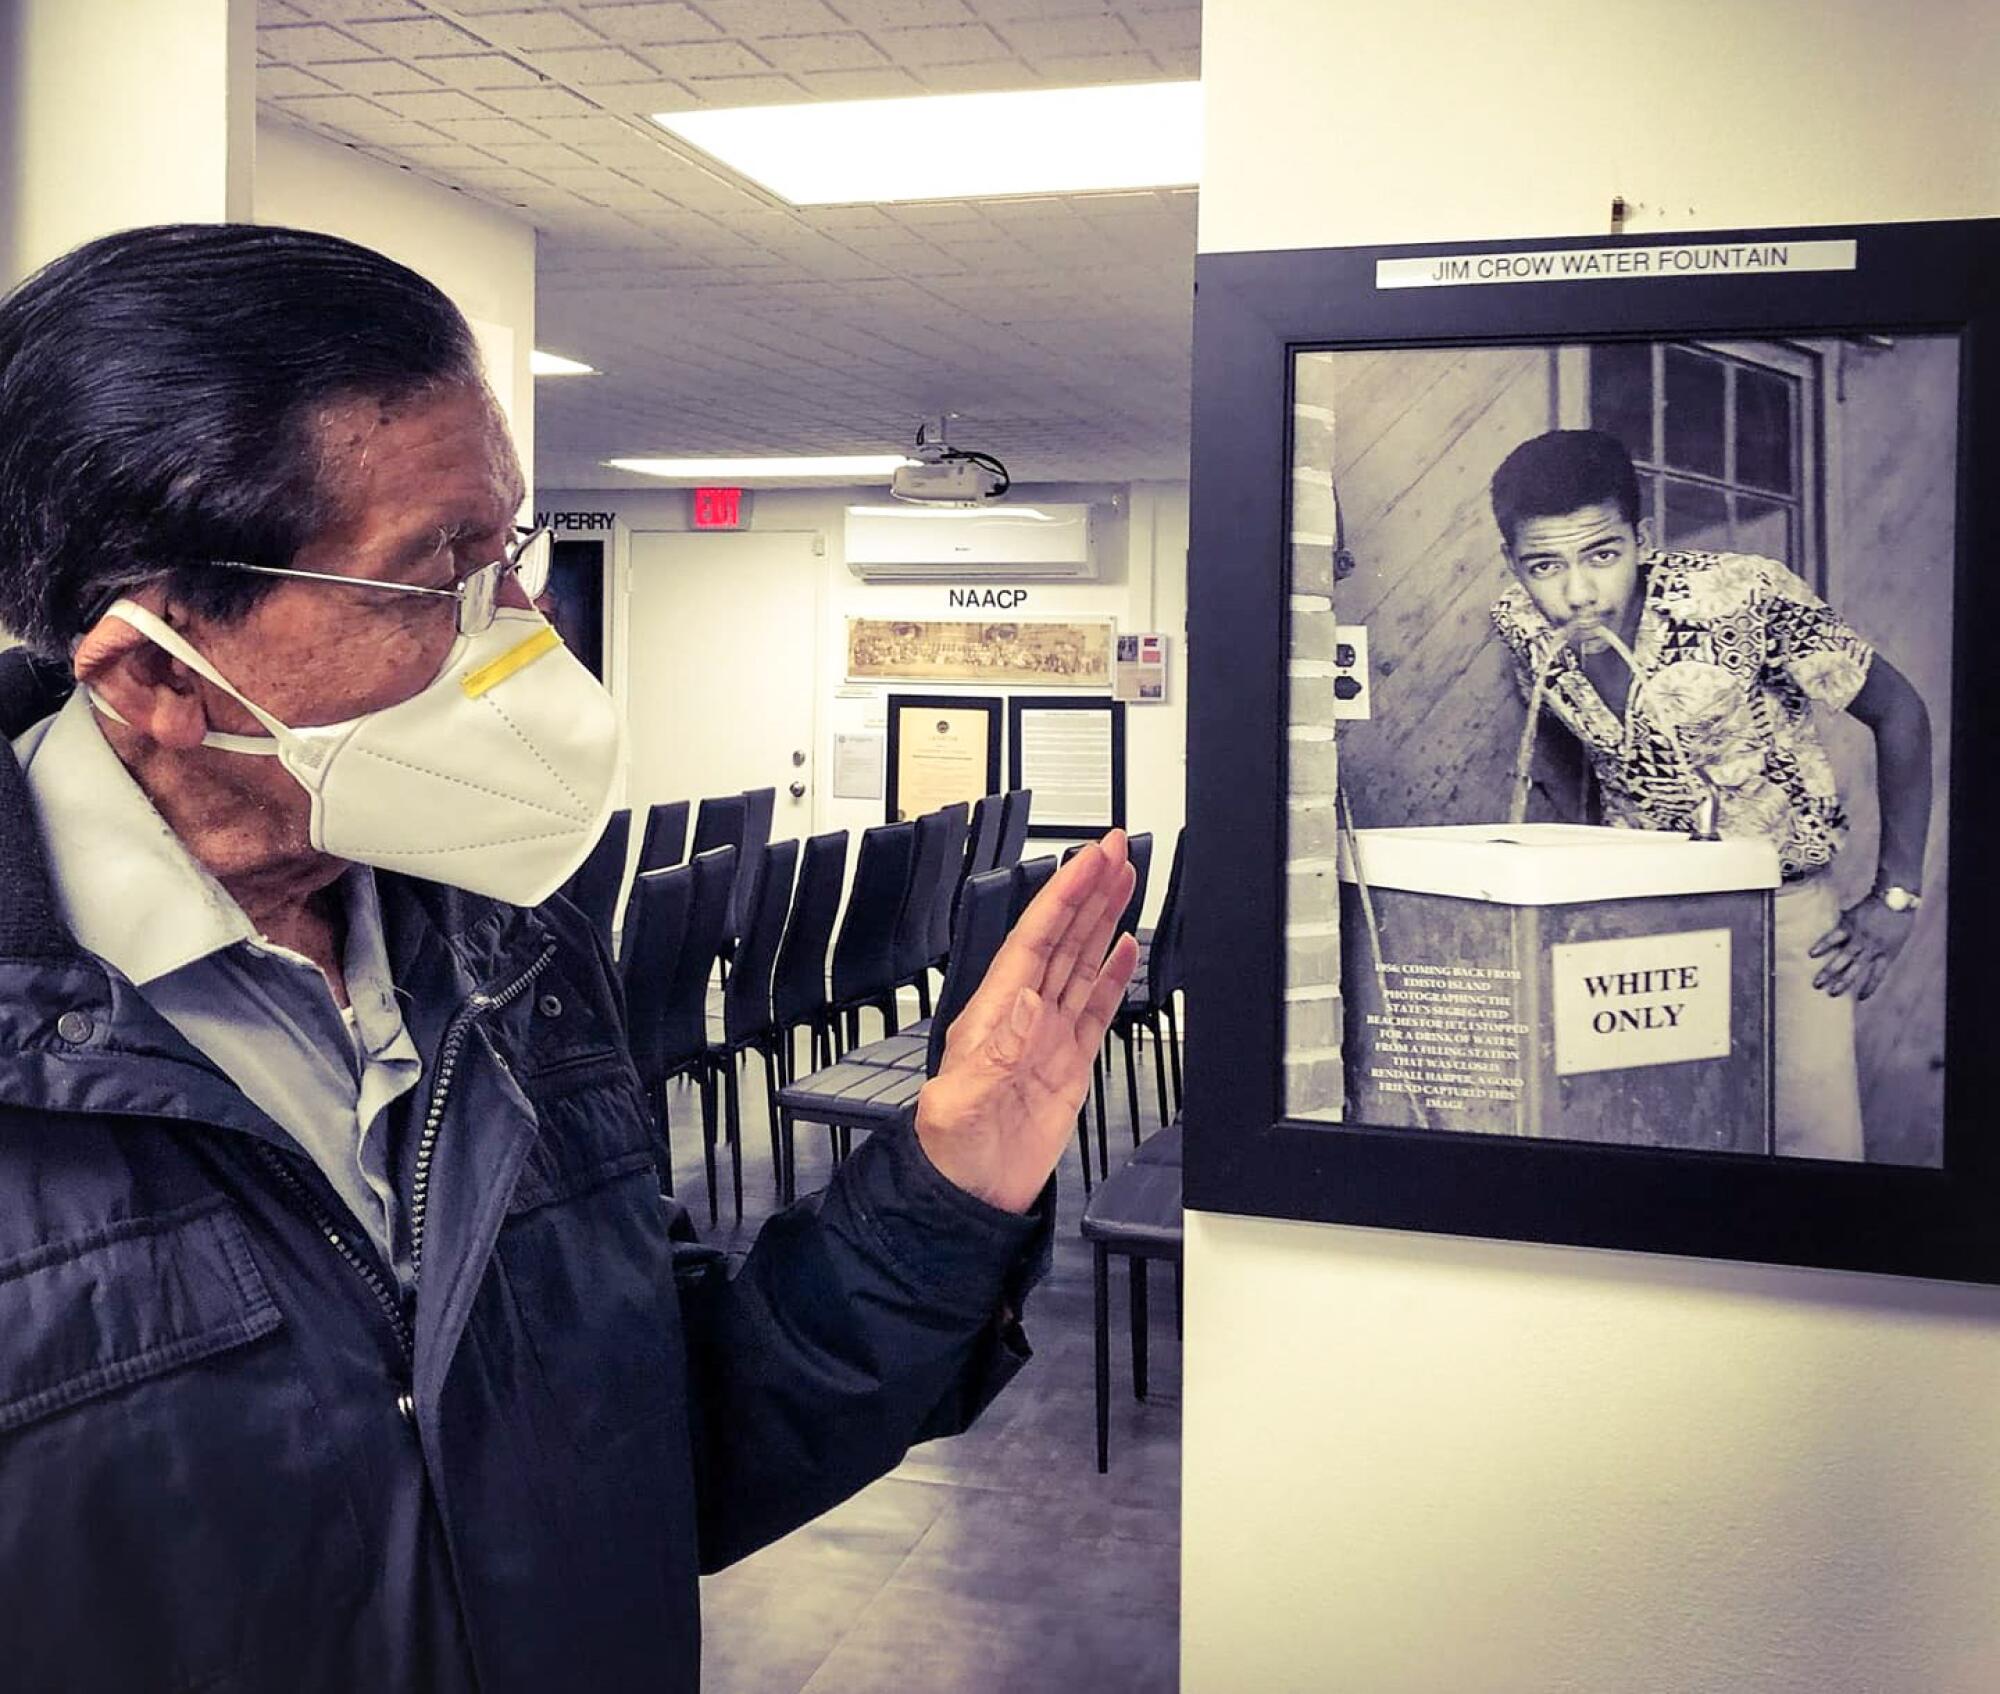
554 364
959 146
852 466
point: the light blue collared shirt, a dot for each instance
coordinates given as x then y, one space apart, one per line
263 1014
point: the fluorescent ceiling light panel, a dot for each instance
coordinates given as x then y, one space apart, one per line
554 364
852 466
959 146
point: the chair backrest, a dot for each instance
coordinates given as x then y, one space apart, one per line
982 837
746 998
1139 851
864 953
798 984
758 805
913 916
718 822
600 879
1166 964
950 875
655 925
666 838
985 913
686 1018
1031 876
1013 826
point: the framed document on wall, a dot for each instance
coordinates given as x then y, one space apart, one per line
1586 742
1070 751
943 749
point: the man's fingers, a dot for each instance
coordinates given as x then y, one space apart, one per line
1024 958
1096 936
1106 996
1835 937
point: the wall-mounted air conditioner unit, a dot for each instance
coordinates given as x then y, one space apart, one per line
1023 543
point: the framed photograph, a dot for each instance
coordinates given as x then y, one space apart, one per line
1070 750
1023 653
1588 679
943 748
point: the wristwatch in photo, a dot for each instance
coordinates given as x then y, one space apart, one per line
1899 899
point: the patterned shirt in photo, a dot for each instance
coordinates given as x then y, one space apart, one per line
1732 650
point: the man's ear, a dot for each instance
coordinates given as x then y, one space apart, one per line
147 686
1643 529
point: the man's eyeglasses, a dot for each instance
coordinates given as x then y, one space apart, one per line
477 594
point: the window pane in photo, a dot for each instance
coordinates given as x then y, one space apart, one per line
1695 518
1765 527
1621 394
1766 453
1694 421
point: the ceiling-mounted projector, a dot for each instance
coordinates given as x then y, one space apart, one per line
945 475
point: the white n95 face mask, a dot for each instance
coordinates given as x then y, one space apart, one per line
496 777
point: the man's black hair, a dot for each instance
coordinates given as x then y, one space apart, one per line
161 392
1563 471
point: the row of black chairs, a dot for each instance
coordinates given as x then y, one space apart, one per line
774 927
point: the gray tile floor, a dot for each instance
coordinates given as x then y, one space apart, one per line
999 1562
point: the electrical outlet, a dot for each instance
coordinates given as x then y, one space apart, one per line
1353 693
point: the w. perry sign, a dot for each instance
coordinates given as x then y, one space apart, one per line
1640 1000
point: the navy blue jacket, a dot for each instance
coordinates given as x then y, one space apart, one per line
232 1459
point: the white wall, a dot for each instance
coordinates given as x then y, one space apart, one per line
1143 543
1414 1463
115 113
480 256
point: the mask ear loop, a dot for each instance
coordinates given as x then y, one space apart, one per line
164 636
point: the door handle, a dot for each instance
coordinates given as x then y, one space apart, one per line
798 790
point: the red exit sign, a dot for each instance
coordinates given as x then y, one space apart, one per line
718 508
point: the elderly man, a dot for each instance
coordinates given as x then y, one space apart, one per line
1689 679
345 1339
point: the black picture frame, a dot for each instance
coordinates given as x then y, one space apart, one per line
1046 821
1253 312
986 704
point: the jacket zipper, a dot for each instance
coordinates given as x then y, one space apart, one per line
448 1052
322 1220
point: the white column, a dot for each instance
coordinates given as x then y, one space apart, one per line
120 112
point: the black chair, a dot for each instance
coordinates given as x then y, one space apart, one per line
864 952
685 1016
656 920
957 828
1150 998
600 879
1137 1214
747 1025
798 984
853 1094
982 843
1034 877
665 840
1139 850
910 965
1014 809
758 806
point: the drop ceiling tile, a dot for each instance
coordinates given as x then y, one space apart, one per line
1178 64
890 14
437 105
372 76
1012 11
980 76
887 83
492 130
772 17
845 51
475 71
650 23
1090 69
541 157
1043 38
432 154
417 36
303 44
601 134
730 91
540 26
588 66
1167 29
352 11
941 44
278 12
336 109
274 82
546 100
643 99
711 58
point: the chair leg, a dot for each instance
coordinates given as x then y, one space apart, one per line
733 1104
770 1057
1100 1282
1138 1308
887 1007
1131 1083
787 1176
1083 1144
706 1083
1174 1049
1097 1089
924 992
666 1154
1159 1065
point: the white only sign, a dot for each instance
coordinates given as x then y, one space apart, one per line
1636 263
1640 1000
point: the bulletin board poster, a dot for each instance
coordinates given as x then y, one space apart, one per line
944 750
1140 674
1070 752
1025 653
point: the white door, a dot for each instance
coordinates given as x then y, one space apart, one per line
720 656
